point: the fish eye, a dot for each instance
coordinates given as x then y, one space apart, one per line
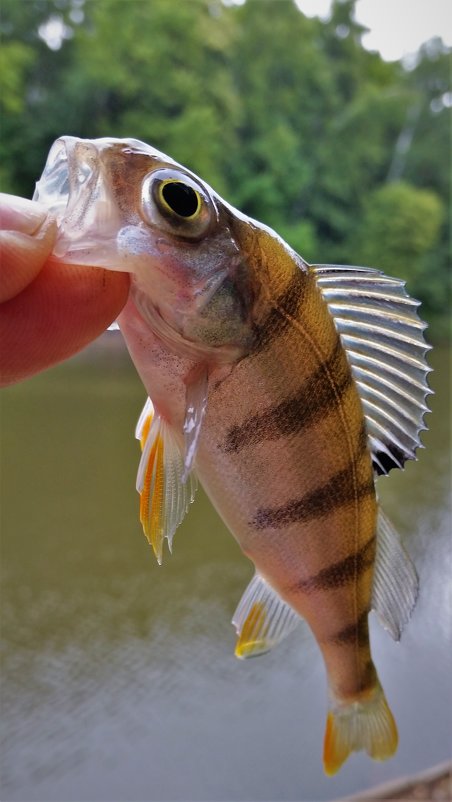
180 198
177 203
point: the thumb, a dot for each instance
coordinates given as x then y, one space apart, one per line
50 310
27 237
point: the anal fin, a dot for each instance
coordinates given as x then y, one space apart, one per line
262 619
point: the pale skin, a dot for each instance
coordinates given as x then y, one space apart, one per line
48 311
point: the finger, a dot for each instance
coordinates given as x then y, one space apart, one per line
65 308
27 237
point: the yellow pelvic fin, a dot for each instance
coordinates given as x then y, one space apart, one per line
145 430
366 724
144 422
164 495
151 499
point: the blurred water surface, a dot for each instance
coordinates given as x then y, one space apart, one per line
118 676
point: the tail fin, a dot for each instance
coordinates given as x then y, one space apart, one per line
367 724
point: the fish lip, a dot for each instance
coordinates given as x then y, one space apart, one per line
53 188
70 186
72 168
77 190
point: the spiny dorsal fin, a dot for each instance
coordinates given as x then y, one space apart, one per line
262 619
164 492
383 337
395 584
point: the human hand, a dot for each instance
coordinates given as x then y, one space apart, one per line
48 310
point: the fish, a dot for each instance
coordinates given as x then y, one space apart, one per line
285 388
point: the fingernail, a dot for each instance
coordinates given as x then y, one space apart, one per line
20 214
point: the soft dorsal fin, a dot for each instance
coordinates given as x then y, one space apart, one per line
165 493
395 585
262 619
383 337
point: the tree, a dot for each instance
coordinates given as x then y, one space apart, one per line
163 79
400 234
427 161
290 118
31 88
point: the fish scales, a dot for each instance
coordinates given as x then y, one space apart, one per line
282 435
280 385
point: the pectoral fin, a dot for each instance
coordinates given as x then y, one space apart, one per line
195 407
262 619
164 494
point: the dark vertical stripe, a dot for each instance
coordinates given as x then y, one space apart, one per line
322 391
368 677
365 679
336 492
287 306
340 573
358 632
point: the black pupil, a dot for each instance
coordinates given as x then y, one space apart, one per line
181 198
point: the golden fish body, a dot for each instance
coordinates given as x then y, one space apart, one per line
289 469
281 404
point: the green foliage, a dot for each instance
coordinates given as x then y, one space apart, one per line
399 232
15 59
400 225
290 118
426 162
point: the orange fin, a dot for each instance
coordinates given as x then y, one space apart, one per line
252 640
164 495
367 724
262 619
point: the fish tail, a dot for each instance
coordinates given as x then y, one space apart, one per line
365 724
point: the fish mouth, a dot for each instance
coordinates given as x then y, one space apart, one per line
71 169
73 190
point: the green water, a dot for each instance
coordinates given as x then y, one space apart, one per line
118 676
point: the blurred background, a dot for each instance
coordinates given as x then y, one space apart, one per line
345 154
118 677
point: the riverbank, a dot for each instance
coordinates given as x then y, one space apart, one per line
433 785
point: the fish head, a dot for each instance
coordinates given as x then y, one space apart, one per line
123 205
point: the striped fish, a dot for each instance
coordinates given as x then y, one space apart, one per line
286 388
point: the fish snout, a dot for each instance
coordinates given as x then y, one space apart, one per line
74 190
70 170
